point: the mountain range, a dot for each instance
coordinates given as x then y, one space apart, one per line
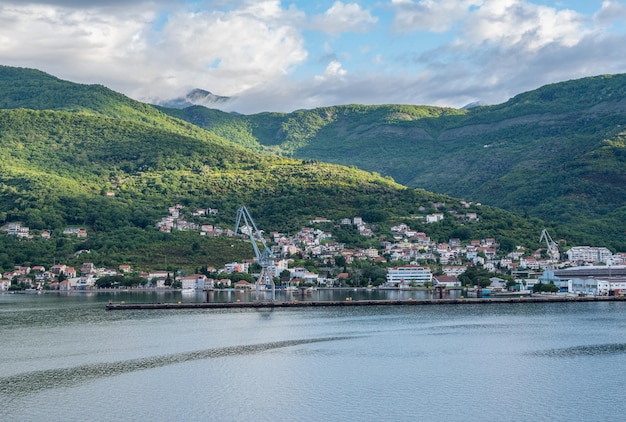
555 153
86 156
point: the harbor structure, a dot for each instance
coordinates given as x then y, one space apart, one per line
600 280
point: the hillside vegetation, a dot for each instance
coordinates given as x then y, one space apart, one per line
556 153
84 156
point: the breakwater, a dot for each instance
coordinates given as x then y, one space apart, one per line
320 303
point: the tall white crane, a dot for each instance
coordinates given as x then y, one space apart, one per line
265 258
552 246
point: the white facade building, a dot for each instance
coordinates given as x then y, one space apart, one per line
592 286
404 276
433 218
617 286
589 254
196 282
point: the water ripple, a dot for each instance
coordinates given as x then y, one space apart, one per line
67 377
587 350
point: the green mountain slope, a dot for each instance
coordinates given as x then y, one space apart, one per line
36 90
84 156
555 153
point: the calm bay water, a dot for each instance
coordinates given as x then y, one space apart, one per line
66 358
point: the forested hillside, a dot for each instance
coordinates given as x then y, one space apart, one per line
84 156
556 153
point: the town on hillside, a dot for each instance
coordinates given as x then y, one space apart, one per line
411 260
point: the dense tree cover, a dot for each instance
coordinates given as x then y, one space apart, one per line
556 153
126 280
84 156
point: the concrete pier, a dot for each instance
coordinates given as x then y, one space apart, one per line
409 302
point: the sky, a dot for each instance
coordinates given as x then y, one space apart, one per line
301 54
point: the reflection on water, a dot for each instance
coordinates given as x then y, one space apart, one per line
314 295
587 350
31 382
86 298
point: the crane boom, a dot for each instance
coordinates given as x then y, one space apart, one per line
265 258
552 246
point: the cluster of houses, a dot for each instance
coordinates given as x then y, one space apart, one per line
58 277
18 230
65 278
175 220
412 249
38 277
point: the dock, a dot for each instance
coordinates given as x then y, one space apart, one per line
335 303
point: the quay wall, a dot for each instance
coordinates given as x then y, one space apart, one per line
410 302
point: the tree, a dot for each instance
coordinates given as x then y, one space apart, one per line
340 261
109 281
284 275
546 288
476 276
237 276
550 288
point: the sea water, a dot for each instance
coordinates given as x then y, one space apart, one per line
65 358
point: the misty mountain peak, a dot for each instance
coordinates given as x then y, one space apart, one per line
196 96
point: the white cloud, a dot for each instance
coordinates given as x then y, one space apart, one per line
611 12
69 38
344 18
131 51
91 4
519 23
334 70
504 47
229 52
430 15
256 50
503 22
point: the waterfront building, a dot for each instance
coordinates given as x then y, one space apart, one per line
598 279
446 281
598 286
195 282
405 275
592 271
159 275
85 282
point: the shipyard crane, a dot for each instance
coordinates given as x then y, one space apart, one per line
552 246
265 258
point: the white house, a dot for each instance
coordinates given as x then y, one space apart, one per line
5 284
433 218
196 282
85 282
446 281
